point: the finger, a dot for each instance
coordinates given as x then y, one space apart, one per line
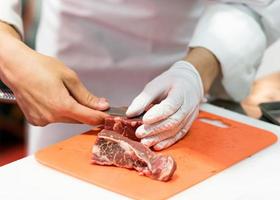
143 101
167 107
154 139
67 120
170 141
170 123
84 114
164 125
82 95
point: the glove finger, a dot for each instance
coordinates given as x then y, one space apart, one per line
167 107
166 125
172 140
143 100
154 139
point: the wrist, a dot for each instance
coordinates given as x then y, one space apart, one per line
206 64
9 29
12 50
14 56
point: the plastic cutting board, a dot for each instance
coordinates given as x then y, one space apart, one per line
205 151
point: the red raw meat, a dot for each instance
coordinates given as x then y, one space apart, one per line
112 148
123 126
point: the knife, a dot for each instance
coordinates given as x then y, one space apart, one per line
7 96
120 111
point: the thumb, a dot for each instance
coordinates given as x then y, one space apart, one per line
143 101
82 95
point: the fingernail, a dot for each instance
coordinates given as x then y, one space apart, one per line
104 99
103 102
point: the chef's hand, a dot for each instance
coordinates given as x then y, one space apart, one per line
46 90
179 91
265 89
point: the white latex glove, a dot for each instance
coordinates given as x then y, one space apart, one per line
179 92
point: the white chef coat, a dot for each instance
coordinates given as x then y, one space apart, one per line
117 46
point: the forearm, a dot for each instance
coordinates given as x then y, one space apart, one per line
206 64
8 29
13 52
235 36
9 42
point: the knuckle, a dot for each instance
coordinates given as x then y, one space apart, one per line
43 123
72 76
49 118
96 120
40 121
37 122
90 98
37 119
30 121
71 73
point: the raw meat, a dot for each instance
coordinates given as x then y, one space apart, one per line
123 126
112 148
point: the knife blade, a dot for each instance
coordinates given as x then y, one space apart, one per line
117 111
121 112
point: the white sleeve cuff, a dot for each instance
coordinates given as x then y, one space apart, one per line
10 13
235 37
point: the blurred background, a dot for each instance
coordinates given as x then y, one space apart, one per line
12 123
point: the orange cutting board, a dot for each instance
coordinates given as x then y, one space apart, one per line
205 151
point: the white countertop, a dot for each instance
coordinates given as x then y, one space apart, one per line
257 177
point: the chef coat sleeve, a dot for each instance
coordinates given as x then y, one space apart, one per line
235 35
270 19
10 13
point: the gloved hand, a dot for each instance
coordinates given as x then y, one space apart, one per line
179 91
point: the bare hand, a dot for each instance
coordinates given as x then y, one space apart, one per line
47 91
266 89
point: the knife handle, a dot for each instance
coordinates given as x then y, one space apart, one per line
7 96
